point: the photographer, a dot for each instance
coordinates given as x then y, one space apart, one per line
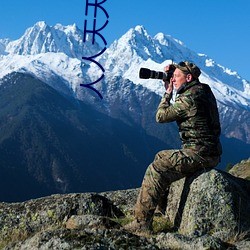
195 111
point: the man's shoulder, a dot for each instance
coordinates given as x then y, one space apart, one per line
199 88
196 93
190 87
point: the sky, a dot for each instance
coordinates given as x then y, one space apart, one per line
218 28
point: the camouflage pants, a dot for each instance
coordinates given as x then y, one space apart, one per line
167 167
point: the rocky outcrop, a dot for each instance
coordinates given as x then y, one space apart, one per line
241 169
210 202
209 210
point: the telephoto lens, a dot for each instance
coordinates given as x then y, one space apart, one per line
145 73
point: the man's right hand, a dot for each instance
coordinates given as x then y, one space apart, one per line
168 85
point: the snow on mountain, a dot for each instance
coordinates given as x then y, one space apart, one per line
45 67
47 51
3 43
42 38
137 49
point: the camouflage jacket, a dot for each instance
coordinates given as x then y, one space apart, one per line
196 113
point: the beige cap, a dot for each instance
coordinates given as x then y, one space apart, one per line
189 68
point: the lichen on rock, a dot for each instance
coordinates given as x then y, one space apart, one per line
211 202
209 210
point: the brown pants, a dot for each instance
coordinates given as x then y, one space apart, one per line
167 167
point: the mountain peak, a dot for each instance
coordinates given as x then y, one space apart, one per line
41 24
135 49
42 38
141 29
138 31
67 29
167 40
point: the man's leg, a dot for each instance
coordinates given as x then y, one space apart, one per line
158 177
168 166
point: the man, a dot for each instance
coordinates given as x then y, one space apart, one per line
195 111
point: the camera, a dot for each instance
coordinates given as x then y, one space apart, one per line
145 73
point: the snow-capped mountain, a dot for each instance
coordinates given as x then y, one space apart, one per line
49 137
53 54
48 53
137 49
44 51
41 38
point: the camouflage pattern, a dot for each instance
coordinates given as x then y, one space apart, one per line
196 114
195 111
168 166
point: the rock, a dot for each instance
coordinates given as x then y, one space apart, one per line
63 239
90 221
241 169
209 210
212 202
178 241
243 245
124 199
21 220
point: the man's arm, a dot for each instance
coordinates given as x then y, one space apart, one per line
165 112
182 108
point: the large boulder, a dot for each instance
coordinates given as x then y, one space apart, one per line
19 221
210 202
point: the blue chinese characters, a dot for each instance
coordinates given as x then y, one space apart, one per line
94 32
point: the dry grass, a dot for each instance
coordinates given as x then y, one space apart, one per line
160 223
239 237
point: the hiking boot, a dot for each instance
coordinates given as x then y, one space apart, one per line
140 227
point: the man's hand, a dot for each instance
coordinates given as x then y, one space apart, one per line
168 85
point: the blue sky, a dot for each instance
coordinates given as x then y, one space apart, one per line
218 28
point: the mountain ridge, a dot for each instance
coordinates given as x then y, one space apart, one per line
122 123
66 73
125 56
166 50
55 144
42 38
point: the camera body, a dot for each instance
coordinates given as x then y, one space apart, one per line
146 73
